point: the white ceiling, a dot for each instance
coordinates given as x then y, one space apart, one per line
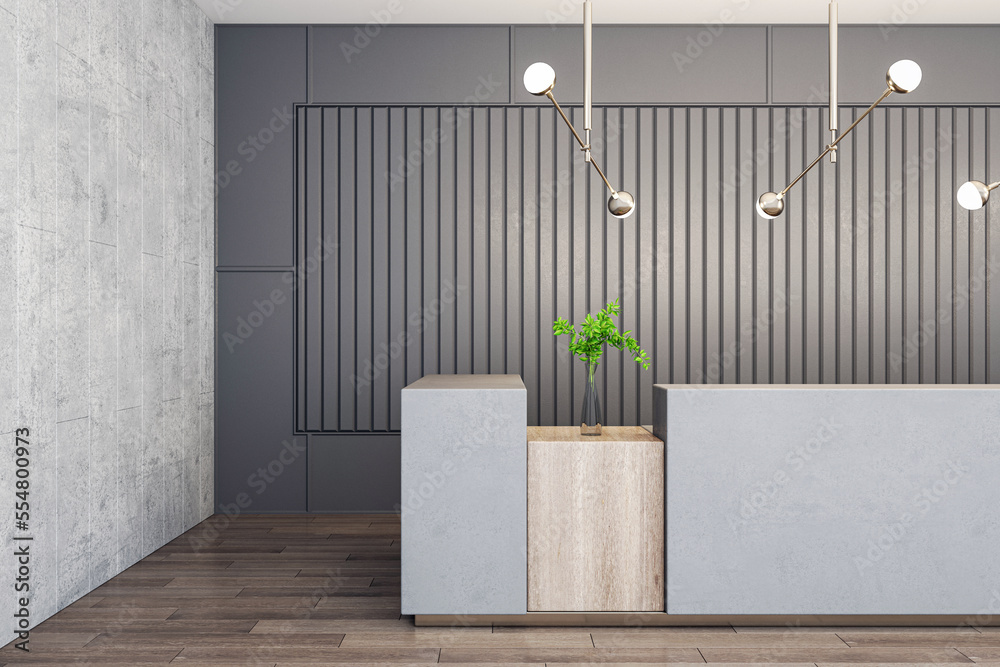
605 11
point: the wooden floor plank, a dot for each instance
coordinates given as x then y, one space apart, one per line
116 627
168 639
307 655
468 637
848 629
926 639
562 655
103 656
314 625
980 653
844 655
271 582
373 614
716 640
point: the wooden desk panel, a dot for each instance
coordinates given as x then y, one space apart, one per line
595 520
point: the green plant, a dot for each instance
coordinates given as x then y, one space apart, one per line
595 332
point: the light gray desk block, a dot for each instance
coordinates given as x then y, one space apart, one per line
464 495
831 499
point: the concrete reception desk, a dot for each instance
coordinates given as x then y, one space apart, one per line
831 499
810 504
464 510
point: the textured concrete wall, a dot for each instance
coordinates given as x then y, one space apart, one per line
106 283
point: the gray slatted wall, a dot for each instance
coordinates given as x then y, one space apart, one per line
456 235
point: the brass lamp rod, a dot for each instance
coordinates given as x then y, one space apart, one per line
833 146
585 147
833 79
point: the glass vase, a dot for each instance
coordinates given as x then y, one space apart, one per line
590 419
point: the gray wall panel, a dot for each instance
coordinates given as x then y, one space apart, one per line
255 409
799 63
336 463
484 223
649 64
832 292
411 65
261 75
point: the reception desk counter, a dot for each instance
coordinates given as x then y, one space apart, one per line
806 504
831 499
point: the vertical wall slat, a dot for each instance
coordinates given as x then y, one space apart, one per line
302 384
795 213
778 290
446 345
927 357
962 252
680 139
631 287
611 365
696 226
992 252
829 244
396 241
364 358
663 347
763 235
644 220
909 200
861 166
530 179
311 308
480 240
846 222
430 238
731 186
382 348
945 241
545 284
566 156
496 192
579 230
977 255
746 230
895 233
329 357
514 230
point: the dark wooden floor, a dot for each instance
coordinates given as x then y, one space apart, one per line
275 590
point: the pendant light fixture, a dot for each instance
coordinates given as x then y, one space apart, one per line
974 194
540 79
903 76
